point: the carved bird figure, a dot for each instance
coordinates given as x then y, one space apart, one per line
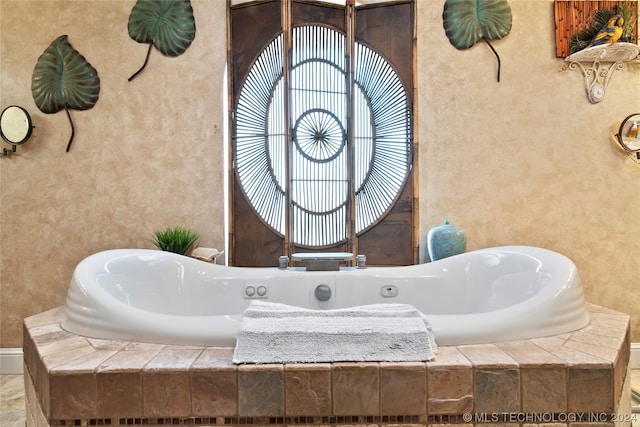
609 33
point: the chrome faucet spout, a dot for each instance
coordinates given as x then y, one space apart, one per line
322 261
283 262
361 261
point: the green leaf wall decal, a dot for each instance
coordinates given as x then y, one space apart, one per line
63 79
168 25
468 21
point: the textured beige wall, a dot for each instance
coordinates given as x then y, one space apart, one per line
524 161
147 156
529 160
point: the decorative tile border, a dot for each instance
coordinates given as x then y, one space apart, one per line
262 421
519 419
85 382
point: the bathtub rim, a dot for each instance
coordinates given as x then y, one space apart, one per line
226 328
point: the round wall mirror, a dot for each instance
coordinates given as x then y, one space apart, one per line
629 134
15 125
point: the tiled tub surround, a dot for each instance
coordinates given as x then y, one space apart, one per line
72 380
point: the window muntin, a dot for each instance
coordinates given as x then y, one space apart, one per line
319 156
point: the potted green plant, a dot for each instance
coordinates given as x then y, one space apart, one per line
176 239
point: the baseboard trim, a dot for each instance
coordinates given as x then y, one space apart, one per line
634 359
11 359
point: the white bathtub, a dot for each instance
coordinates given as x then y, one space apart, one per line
489 295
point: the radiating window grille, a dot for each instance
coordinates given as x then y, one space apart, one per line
312 161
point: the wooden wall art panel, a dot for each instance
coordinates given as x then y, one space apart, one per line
573 15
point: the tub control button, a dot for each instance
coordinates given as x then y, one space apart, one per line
389 291
256 291
322 292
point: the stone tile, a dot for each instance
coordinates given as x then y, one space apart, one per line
549 424
554 341
356 389
214 358
621 365
30 403
128 361
119 394
543 376
166 393
449 390
47 333
100 344
595 329
403 388
528 354
591 424
261 390
624 403
33 413
166 382
609 319
30 355
590 390
48 317
497 390
43 388
174 358
73 396
544 389
86 363
493 366
214 392
594 348
450 357
487 355
308 389
57 349
599 312
214 383
143 346
576 358
12 392
66 358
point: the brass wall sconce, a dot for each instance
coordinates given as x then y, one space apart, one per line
628 136
15 127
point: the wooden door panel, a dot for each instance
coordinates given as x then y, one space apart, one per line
254 243
386 29
390 242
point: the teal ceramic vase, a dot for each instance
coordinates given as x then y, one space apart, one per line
445 241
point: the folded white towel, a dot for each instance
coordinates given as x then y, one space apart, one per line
206 254
279 333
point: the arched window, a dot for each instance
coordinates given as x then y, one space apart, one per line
322 131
